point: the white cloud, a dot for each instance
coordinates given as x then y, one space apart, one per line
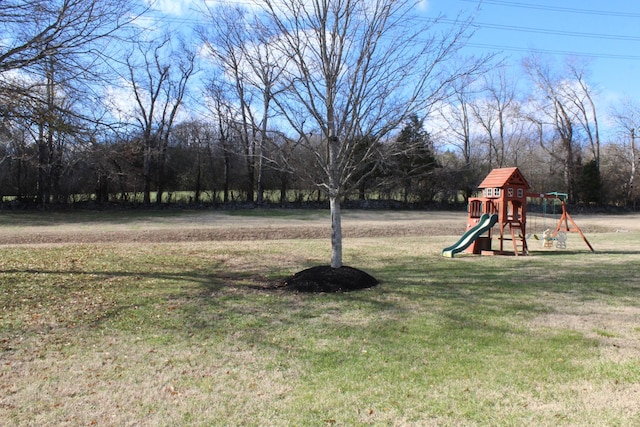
424 5
123 105
121 100
172 7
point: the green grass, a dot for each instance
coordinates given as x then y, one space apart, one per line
181 334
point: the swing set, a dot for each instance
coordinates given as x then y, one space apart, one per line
565 224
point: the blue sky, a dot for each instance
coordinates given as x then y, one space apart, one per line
606 33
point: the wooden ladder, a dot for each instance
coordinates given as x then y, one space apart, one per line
518 238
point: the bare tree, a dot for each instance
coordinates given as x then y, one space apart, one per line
457 115
227 40
223 116
240 45
51 135
267 72
80 36
193 140
498 115
565 101
554 109
37 29
158 86
356 69
581 95
52 57
48 109
627 118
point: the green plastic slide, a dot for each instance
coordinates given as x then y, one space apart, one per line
486 222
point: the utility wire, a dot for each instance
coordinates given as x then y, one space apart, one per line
554 52
556 8
481 25
195 19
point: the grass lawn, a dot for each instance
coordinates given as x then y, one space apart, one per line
184 333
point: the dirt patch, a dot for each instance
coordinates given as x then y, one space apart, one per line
235 233
220 226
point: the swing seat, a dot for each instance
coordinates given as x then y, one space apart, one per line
547 239
561 240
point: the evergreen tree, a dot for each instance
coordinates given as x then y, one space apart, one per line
589 183
414 161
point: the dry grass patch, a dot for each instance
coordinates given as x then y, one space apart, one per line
615 328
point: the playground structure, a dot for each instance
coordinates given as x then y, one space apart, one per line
503 205
566 224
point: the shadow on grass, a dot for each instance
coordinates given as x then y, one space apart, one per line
536 253
213 281
470 293
497 277
181 303
90 298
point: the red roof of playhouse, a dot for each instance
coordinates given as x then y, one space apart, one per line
499 178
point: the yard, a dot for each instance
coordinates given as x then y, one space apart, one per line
175 318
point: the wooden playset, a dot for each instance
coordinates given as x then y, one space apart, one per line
501 212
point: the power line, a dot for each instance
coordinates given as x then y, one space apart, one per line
555 52
556 32
557 8
192 20
480 25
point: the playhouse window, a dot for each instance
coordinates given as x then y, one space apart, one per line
496 192
509 192
488 192
520 192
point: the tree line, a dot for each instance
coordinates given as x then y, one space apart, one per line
284 104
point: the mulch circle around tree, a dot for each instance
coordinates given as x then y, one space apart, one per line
325 278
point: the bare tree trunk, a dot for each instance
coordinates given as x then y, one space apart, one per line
283 188
43 161
250 159
162 159
333 147
336 231
146 171
198 183
227 178
634 163
260 151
